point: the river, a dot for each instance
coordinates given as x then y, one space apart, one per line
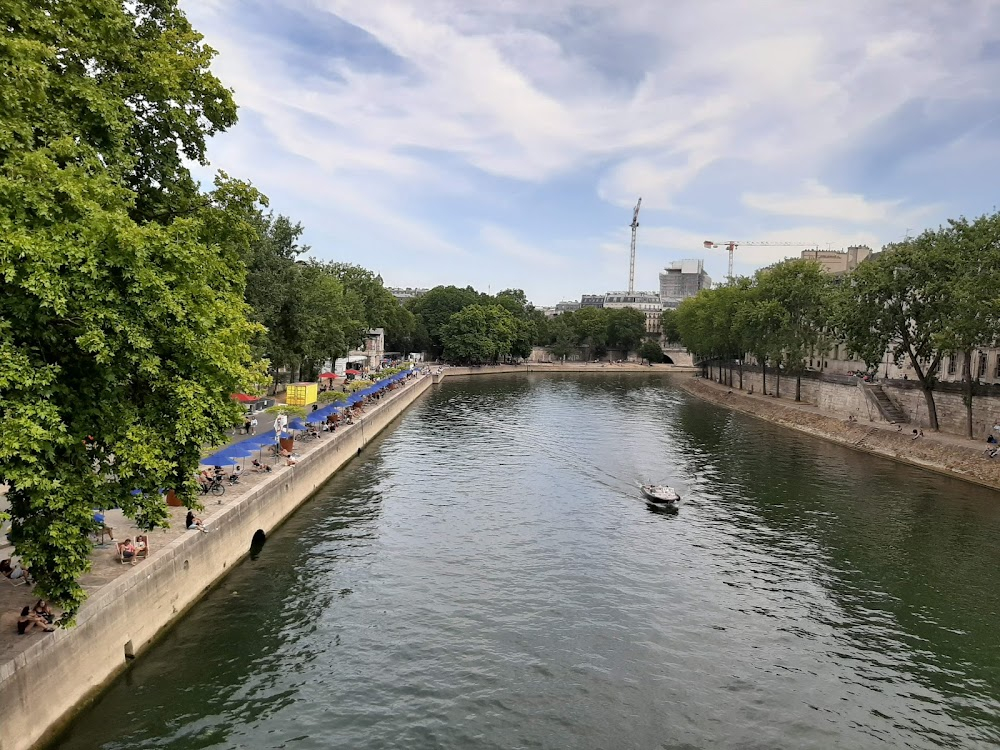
486 576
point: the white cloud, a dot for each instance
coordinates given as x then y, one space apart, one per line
641 98
501 240
818 201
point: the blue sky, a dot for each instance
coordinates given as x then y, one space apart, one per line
504 144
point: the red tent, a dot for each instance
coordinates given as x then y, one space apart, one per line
328 376
353 372
244 398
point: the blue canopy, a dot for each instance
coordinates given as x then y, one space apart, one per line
297 424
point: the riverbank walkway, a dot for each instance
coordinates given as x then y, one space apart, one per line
938 451
105 567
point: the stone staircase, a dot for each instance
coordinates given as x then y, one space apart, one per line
889 411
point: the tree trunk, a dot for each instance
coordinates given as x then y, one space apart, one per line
969 388
777 379
927 386
798 386
763 377
741 374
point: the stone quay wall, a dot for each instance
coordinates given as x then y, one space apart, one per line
944 454
844 396
43 687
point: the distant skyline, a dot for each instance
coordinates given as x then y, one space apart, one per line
505 144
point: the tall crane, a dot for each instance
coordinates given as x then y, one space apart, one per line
631 265
732 245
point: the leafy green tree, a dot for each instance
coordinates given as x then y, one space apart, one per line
973 316
803 291
479 334
434 309
626 328
123 330
900 302
590 327
562 339
651 351
668 325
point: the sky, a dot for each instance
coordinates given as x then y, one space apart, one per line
505 144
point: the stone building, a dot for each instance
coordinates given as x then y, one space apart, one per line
682 279
646 302
839 261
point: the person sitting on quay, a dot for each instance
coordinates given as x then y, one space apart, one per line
30 621
193 523
43 610
290 458
259 467
992 439
127 550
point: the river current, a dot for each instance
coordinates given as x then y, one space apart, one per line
485 575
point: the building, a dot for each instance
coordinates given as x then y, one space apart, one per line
402 295
593 300
567 307
366 358
682 279
839 261
646 302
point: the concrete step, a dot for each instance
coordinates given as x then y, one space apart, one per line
889 410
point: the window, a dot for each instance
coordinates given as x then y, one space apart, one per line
982 365
951 365
996 369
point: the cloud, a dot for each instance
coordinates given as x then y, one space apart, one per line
818 201
440 125
502 241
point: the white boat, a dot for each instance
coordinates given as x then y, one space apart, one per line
659 495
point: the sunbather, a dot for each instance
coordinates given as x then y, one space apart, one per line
13 570
30 621
127 550
44 611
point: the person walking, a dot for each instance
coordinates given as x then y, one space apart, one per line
253 425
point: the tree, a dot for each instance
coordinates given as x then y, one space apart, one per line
803 291
668 325
973 319
590 328
562 340
652 351
479 334
123 330
899 301
434 309
626 328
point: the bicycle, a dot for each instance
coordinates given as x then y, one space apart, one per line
214 487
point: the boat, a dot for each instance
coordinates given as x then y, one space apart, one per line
659 495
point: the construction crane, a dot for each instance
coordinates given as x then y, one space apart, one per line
732 245
631 265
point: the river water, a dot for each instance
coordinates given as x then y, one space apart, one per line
486 576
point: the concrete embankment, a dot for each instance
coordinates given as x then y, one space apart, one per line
945 454
43 685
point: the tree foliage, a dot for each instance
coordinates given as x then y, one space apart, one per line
479 334
123 329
